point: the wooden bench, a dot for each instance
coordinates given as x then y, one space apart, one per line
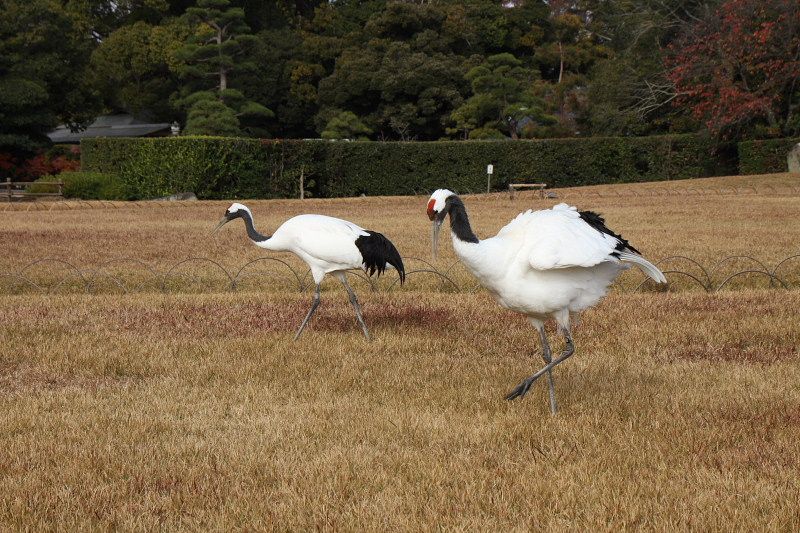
512 187
16 190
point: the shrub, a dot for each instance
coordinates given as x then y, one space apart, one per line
764 157
58 158
86 185
217 167
212 167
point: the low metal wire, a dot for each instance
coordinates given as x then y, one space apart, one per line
59 275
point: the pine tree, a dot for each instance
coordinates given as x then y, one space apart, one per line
218 48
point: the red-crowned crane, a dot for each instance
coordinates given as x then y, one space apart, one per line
328 246
543 264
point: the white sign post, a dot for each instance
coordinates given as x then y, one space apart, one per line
489 172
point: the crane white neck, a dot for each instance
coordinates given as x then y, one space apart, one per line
480 257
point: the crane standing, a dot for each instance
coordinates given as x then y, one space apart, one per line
543 264
328 246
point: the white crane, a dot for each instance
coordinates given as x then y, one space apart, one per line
328 246
543 264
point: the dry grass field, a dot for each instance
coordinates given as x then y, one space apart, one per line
192 409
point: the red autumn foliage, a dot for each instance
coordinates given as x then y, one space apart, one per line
738 70
57 159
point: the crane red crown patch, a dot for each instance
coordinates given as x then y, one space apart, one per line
431 214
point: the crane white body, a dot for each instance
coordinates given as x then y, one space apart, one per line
328 245
543 264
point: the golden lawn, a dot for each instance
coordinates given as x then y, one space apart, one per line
198 412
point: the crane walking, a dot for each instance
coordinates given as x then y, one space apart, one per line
543 264
328 245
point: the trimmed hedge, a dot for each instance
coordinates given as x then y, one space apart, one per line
765 157
86 185
154 167
217 167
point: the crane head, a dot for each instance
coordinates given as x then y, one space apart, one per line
437 211
236 210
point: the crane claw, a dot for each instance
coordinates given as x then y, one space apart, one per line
520 390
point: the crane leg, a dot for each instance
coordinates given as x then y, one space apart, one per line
354 303
310 312
523 388
548 358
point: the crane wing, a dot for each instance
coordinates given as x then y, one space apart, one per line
560 238
324 239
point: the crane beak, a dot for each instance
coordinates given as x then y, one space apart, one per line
221 223
437 224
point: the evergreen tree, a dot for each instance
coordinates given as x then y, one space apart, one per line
219 47
502 103
131 68
43 57
346 125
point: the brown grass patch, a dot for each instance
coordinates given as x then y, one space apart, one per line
153 411
151 418
769 417
25 378
254 318
740 351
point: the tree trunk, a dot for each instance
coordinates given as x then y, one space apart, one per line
561 61
773 122
223 72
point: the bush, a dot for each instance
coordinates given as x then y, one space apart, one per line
765 157
86 185
218 167
58 158
211 167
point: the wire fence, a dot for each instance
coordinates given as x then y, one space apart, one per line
203 274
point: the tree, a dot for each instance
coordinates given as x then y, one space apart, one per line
100 18
216 49
739 69
210 116
221 37
131 68
346 125
42 62
397 75
629 92
284 79
227 114
502 100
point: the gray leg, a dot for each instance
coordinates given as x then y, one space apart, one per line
355 304
310 312
547 357
523 388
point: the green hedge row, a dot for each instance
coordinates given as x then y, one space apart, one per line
215 167
765 157
85 185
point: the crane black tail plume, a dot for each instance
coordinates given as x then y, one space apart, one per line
377 251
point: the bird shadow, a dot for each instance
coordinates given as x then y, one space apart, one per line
341 318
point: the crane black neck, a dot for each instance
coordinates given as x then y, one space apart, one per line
252 233
459 221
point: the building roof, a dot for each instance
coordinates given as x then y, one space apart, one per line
110 126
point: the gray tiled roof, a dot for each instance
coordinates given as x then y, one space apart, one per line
110 126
